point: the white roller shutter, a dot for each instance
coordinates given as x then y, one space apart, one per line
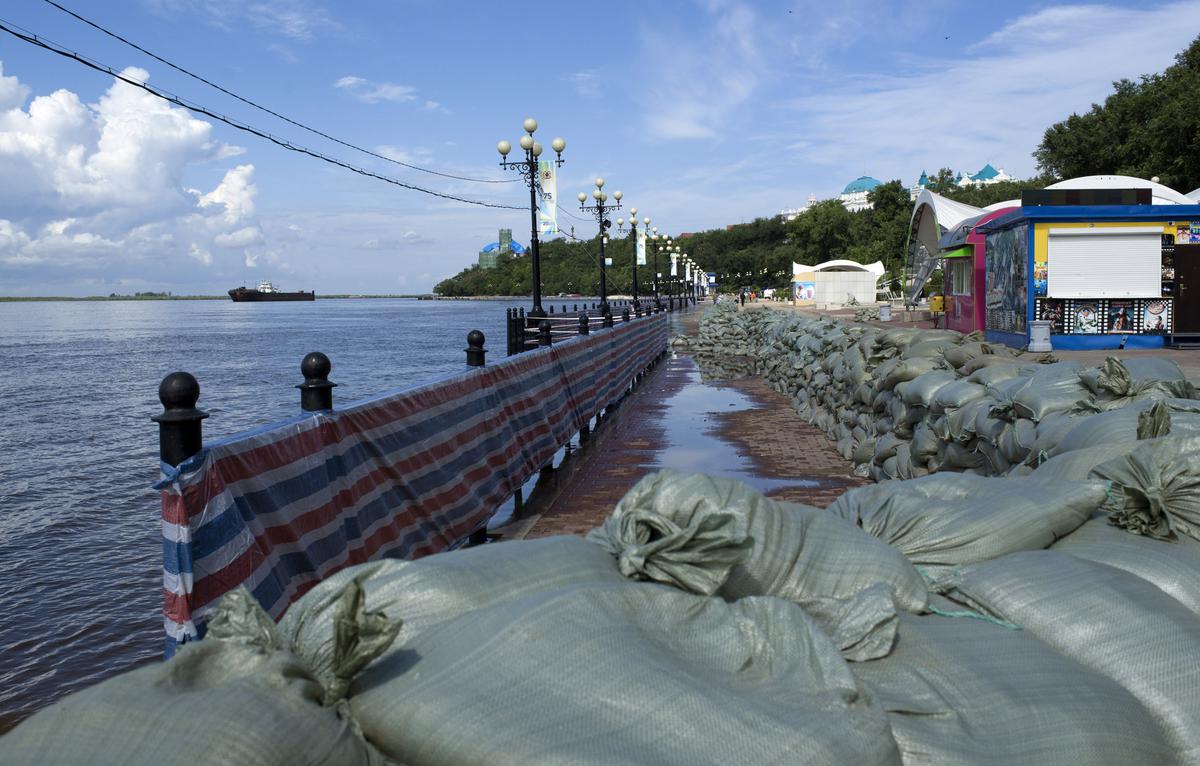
1123 262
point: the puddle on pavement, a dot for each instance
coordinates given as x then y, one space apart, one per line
693 445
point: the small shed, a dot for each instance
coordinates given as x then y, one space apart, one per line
837 282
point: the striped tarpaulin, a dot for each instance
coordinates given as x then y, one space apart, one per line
404 475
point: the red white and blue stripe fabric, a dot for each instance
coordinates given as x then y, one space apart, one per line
404 475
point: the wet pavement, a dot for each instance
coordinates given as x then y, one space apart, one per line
737 429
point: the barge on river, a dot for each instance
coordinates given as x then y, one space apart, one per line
268 292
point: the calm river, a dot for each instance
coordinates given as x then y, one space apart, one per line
80 538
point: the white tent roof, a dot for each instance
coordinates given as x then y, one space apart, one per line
875 268
947 212
1161 195
1193 195
1001 205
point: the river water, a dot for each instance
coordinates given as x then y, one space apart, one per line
80 536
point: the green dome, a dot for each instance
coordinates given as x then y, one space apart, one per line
861 184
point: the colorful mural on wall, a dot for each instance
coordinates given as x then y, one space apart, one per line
1007 270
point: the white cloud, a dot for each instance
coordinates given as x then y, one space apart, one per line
294 19
242 238
90 188
993 105
586 83
703 74
200 254
12 92
374 92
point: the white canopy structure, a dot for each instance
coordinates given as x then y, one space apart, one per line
932 216
1161 195
1193 195
838 281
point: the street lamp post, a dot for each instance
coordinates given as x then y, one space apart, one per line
528 168
633 222
654 246
601 209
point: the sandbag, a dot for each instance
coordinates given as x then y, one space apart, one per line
1159 482
798 553
947 520
635 673
1172 565
922 389
957 356
437 588
1122 424
1108 620
961 691
991 369
1047 394
238 699
955 395
1078 464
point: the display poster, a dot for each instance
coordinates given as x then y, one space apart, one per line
1054 311
641 248
806 291
1007 299
548 209
1120 316
1040 273
712 279
1187 233
1087 318
1156 317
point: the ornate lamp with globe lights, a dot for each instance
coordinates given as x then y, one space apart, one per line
528 168
633 222
600 209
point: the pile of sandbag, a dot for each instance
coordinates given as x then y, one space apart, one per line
902 403
913 622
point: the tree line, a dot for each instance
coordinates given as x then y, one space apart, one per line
1149 127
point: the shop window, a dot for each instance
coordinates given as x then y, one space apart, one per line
961 271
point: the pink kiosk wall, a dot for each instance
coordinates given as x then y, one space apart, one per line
967 312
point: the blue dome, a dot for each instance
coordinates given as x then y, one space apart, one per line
861 184
516 246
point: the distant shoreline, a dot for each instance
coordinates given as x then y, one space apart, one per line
49 298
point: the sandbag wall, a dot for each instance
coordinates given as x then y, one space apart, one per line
902 403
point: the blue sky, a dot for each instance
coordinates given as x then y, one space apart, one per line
703 113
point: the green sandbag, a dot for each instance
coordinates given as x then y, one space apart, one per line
1172 565
944 521
798 553
632 673
234 699
1160 485
437 588
1106 619
1078 464
961 691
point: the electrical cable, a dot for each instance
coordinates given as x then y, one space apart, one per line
271 112
41 42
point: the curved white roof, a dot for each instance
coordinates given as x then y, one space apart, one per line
1001 205
947 212
841 264
1162 195
1193 195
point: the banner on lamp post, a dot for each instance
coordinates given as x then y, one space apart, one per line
641 248
687 272
548 210
674 271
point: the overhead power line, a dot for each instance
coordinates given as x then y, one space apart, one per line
271 112
41 42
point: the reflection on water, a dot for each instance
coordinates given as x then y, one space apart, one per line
80 536
692 434
724 367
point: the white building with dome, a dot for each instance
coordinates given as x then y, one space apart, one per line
854 196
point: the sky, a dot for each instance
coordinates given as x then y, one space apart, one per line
703 113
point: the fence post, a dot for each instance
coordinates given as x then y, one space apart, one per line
475 349
608 322
179 431
583 323
508 325
316 392
544 338
625 315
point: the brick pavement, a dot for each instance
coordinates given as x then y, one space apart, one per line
777 444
